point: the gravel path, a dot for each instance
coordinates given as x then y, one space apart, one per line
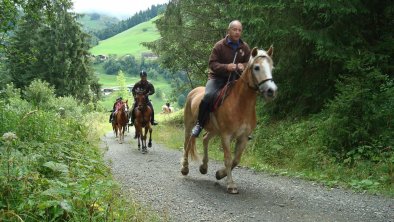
154 179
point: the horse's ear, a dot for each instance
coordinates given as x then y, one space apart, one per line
270 51
127 100
254 51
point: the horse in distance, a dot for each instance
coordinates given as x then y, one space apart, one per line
142 122
121 120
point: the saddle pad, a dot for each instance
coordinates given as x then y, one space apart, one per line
221 95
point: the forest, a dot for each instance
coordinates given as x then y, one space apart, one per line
333 119
333 62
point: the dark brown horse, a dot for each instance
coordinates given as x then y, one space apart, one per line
234 120
121 120
142 121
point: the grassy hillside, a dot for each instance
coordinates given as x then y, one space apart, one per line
128 42
95 22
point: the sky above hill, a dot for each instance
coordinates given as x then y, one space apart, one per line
117 8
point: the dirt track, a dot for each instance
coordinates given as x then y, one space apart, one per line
155 180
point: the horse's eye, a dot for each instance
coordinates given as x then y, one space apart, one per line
257 68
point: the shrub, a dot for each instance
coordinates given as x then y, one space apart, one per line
360 121
39 93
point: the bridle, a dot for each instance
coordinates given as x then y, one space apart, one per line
141 105
255 87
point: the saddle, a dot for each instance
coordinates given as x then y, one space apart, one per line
221 95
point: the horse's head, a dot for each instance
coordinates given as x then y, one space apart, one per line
126 105
123 107
140 99
261 65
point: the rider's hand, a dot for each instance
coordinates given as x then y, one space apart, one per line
231 67
240 66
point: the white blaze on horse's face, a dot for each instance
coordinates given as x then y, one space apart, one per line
262 66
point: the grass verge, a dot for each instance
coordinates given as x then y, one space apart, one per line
292 149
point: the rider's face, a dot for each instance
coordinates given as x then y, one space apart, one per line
143 78
235 31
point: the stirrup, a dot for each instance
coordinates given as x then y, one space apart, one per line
154 123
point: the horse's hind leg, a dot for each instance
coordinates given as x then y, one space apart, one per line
204 165
187 146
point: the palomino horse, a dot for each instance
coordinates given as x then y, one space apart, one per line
121 120
235 119
142 121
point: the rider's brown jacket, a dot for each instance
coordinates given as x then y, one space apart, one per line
223 54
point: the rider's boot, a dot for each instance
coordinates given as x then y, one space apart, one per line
110 118
152 120
197 129
132 118
203 112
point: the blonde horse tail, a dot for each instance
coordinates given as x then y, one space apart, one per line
192 149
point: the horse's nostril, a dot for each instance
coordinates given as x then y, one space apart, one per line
270 92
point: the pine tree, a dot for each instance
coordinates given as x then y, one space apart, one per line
123 92
55 50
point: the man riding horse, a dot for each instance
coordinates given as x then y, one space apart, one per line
146 88
229 57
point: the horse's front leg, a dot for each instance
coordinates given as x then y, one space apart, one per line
150 137
226 171
123 132
144 140
239 149
138 135
120 134
204 165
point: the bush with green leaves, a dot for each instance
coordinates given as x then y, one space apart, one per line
360 120
50 170
39 93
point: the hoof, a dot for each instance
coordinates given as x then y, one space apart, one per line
184 171
203 170
233 190
219 176
139 148
149 144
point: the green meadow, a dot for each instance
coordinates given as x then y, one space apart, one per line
129 41
163 89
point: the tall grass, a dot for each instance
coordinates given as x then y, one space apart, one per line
51 167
